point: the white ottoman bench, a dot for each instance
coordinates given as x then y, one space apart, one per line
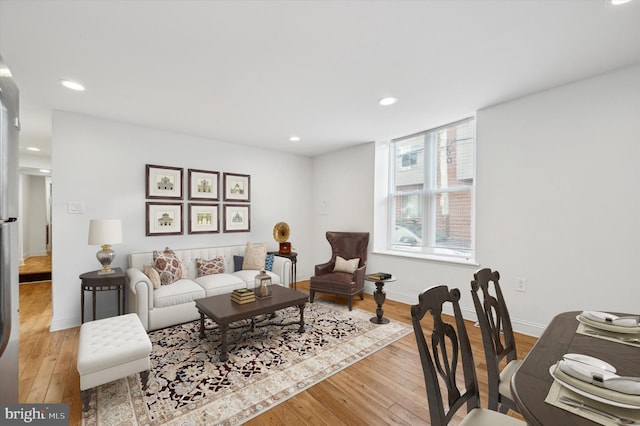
110 349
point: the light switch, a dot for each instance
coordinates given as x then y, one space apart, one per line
76 207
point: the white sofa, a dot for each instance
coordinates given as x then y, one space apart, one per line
175 303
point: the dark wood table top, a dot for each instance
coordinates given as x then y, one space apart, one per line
224 311
530 384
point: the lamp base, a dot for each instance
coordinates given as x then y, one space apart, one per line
105 257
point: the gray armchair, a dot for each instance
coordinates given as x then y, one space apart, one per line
349 246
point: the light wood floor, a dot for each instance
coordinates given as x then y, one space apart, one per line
384 388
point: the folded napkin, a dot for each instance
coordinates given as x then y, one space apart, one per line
599 382
606 318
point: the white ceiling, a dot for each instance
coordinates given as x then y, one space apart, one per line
257 72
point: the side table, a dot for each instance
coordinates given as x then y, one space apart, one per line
293 257
94 281
379 296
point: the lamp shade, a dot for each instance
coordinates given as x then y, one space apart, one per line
105 231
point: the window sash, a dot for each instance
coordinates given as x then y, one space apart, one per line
445 190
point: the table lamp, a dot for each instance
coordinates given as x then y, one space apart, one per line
104 232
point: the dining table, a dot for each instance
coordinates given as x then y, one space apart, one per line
531 383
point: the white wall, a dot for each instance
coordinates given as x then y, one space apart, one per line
102 163
342 197
557 203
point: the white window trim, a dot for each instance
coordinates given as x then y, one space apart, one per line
382 215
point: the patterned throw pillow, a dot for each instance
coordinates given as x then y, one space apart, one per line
153 275
167 265
268 262
343 265
254 255
210 267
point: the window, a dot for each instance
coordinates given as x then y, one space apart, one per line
432 191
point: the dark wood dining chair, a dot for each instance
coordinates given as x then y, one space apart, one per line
450 348
497 338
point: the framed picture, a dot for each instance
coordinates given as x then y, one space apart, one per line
203 185
164 219
164 182
237 187
204 218
237 218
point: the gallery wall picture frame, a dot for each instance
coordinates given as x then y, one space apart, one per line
164 219
164 182
237 218
203 185
204 218
237 187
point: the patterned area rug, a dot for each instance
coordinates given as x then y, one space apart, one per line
188 383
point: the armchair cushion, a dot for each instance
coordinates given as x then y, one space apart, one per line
344 265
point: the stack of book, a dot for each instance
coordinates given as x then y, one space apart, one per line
379 276
243 295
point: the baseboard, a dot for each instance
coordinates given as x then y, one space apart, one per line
519 326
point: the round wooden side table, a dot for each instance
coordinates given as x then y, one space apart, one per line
379 296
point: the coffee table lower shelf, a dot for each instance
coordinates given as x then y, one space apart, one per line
224 312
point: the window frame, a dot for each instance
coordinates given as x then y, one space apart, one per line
429 194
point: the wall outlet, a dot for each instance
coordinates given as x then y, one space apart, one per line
521 284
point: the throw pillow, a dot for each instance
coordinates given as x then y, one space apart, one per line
238 260
168 266
153 275
210 267
344 265
237 263
254 255
268 262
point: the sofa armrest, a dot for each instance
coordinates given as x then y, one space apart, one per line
282 267
140 295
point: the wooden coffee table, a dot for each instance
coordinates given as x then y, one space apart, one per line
223 311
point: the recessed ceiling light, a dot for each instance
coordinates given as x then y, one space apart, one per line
294 139
73 85
33 148
45 171
388 101
619 2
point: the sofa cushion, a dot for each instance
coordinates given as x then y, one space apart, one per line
210 266
181 291
254 255
220 283
249 275
167 265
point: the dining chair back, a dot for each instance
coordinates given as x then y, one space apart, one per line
497 338
449 348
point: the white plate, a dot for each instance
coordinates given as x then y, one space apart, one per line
608 327
590 395
595 362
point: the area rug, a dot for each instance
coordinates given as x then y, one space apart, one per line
188 384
